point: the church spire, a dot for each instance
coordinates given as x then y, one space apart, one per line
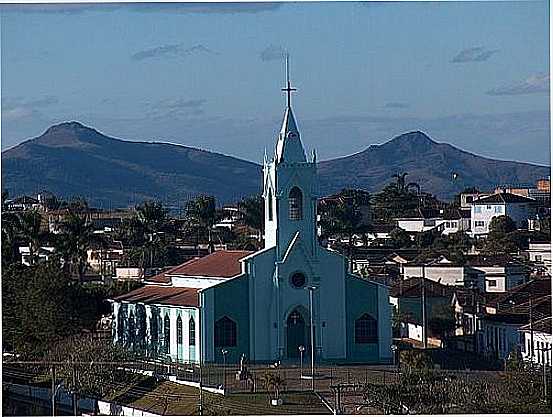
289 147
288 87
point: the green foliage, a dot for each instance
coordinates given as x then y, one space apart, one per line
400 238
442 321
251 211
42 305
414 359
344 218
274 383
501 225
76 237
431 392
505 238
201 215
96 371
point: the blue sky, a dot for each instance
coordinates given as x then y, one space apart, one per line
474 74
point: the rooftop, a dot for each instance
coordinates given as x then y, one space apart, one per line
154 294
501 198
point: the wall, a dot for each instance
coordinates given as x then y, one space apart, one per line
362 298
229 299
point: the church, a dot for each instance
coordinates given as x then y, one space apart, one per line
259 304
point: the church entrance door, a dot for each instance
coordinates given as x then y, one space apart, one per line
296 332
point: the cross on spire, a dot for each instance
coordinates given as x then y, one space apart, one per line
288 87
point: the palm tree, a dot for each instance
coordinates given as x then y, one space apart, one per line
152 219
202 214
10 227
77 236
29 227
274 382
251 213
344 218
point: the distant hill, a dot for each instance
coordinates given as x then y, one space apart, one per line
70 159
429 163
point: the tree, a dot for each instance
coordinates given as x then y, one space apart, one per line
43 306
501 225
344 218
442 321
152 219
10 238
274 382
415 359
29 226
202 214
94 363
76 237
504 236
251 211
400 238
397 199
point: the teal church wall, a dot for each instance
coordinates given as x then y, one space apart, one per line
362 297
231 299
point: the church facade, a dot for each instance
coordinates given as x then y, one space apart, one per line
258 304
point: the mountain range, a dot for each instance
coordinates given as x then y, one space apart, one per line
70 159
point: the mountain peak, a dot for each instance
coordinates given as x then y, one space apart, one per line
68 127
416 136
69 134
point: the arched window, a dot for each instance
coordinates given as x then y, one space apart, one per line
366 329
192 332
166 333
179 330
132 329
295 200
154 327
225 333
270 205
141 324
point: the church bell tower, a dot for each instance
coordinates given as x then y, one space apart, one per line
289 187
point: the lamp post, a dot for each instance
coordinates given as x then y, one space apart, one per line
225 353
311 290
394 358
301 348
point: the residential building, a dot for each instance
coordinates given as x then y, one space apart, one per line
483 210
23 203
457 220
427 219
44 254
446 272
536 341
406 297
501 272
539 253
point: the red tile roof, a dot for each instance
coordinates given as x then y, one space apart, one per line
153 294
223 264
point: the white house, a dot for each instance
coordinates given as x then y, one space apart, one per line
446 272
44 253
483 210
537 342
540 254
455 221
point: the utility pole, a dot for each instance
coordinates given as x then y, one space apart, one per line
74 390
311 290
201 406
531 328
423 301
53 390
